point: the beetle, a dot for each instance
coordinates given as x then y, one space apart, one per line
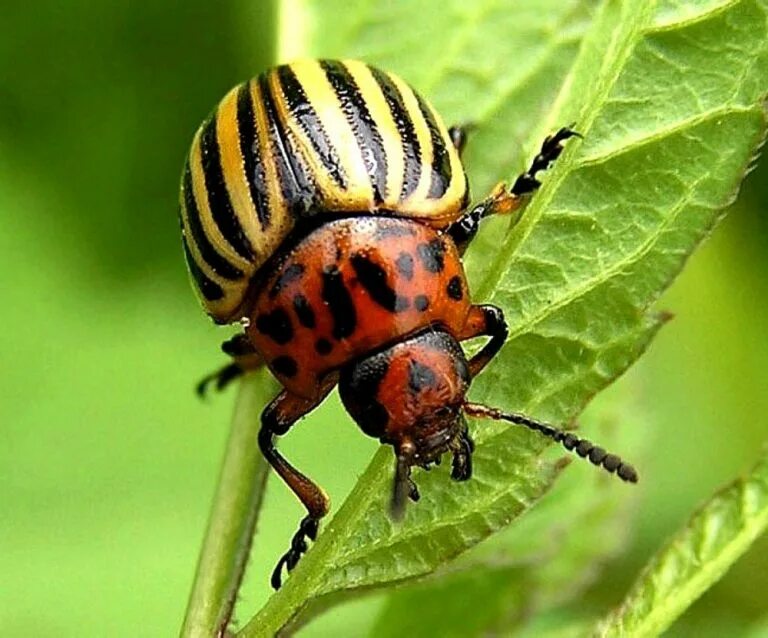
324 205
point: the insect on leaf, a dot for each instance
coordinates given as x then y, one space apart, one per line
669 97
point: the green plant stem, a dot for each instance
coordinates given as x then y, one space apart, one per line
232 521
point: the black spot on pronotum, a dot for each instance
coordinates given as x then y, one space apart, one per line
432 255
373 277
276 325
323 346
285 366
420 377
304 312
404 265
340 303
454 288
290 274
421 302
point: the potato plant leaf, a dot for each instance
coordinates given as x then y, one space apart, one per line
669 97
696 557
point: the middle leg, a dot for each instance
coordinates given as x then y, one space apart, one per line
503 201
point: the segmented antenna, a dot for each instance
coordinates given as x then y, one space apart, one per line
584 448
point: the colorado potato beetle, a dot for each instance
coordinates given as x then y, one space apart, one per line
325 205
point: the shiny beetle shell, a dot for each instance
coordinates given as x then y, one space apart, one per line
304 141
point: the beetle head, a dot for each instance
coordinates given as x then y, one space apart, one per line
410 396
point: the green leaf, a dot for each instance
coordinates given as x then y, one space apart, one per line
669 98
696 557
546 559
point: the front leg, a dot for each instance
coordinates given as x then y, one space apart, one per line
484 320
503 201
278 417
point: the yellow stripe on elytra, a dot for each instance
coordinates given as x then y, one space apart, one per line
323 100
387 128
233 168
304 146
425 142
279 221
200 193
452 198
233 291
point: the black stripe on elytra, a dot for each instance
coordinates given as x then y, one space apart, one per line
218 198
454 288
432 255
373 277
363 126
406 130
295 182
276 325
302 111
212 257
303 310
290 274
340 303
250 151
404 265
420 377
441 160
209 289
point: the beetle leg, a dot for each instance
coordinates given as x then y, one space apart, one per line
549 152
276 420
245 358
484 320
503 201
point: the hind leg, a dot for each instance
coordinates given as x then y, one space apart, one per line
244 358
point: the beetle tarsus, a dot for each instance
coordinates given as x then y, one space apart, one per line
550 150
219 379
307 530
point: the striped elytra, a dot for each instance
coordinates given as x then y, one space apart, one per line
310 139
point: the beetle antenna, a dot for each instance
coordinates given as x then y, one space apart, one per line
584 448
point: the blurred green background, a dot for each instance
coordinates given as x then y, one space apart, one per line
108 462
